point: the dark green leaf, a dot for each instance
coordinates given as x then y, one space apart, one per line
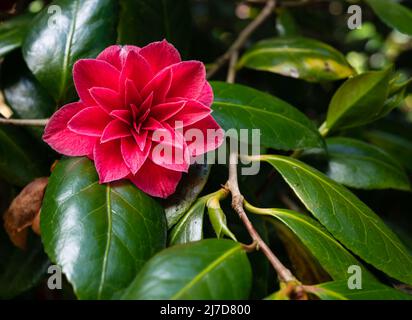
281 125
186 193
393 14
55 42
397 146
20 159
361 165
333 257
207 269
190 226
338 290
359 100
347 218
297 57
12 33
20 270
23 93
145 21
101 235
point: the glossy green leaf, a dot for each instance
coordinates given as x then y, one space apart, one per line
20 270
333 257
297 57
359 100
397 146
145 21
207 269
25 96
20 161
100 234
338 290
393 14
23 93
56 40
361 165
281 125
186 193
347 218
190 226
12 33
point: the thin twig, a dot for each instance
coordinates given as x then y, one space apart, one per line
243 36
25 122
231 74
284 273
232 184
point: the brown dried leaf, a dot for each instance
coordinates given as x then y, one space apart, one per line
24 212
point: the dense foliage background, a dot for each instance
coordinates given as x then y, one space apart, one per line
340 195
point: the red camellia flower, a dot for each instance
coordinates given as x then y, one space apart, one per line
128 95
